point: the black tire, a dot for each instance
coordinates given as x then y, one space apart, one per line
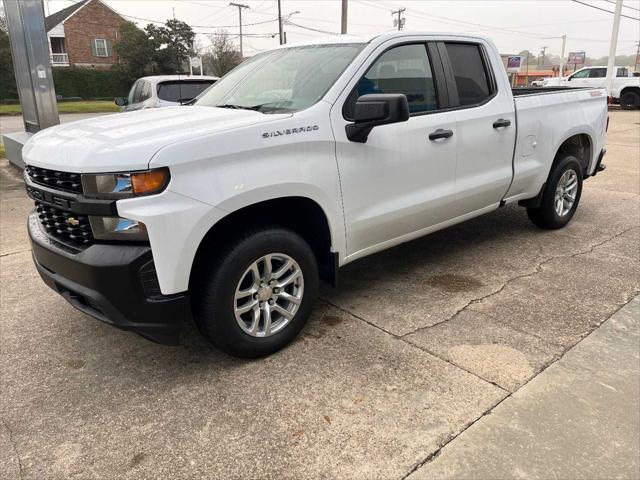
546 215
630 101
221 272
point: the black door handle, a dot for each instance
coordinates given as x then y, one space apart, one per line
501 123
440 133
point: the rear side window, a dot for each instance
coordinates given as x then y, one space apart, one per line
469 71
597 73
622 72
404 69
182 91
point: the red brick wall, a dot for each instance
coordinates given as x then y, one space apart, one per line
94 20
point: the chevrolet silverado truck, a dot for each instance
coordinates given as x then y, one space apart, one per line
300 160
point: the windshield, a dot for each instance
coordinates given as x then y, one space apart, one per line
284 80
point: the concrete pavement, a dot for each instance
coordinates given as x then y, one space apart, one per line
580 418
418 344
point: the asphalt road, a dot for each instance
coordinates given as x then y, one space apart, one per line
404 361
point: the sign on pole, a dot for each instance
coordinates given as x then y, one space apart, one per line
576 58
514 63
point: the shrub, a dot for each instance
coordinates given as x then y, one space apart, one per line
88 83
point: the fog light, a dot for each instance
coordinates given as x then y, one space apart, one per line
117 228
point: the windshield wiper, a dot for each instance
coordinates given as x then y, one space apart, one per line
255 108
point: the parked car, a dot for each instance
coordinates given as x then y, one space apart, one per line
164 91
538 82
626 87
299 161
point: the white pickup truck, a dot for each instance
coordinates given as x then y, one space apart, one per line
301 160
625 90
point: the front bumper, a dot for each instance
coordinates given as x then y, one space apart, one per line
115 284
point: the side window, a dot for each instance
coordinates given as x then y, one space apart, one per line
470 73
598 73
582 73
404 69
622 72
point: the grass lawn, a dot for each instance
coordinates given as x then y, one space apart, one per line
1 150
70 107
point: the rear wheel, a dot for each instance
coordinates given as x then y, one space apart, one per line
254 297
630 101
561 195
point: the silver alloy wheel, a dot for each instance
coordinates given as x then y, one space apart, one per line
566 192
268 295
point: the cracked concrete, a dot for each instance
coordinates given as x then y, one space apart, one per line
413 352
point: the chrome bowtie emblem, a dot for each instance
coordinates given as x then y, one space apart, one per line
73 221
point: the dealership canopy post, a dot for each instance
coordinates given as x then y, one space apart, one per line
30 53
612 46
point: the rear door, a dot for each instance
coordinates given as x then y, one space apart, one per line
485 125
400 181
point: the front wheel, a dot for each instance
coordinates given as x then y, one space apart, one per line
561 195
254 297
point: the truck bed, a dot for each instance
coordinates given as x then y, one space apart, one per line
522 91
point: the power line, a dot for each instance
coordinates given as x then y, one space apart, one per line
604 9
289 22
624 6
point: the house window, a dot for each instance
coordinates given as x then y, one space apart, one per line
100 47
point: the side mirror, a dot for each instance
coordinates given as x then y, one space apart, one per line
569 78
376 109
120 101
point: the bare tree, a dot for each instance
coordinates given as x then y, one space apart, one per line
222 55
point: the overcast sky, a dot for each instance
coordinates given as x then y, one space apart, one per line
512 24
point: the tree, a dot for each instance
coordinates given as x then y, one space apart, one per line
173 45
154 50
8 87
222 55
136 50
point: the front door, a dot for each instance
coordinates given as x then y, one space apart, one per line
400 181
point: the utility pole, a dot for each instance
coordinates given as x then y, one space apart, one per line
400 20
284 22
612 46
343 25
637 58
542 50
240 7
280 23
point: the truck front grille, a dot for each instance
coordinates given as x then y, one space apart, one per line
66 181
67 227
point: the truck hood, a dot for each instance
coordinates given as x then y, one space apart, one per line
128 141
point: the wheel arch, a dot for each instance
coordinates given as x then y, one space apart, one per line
302 214
579 144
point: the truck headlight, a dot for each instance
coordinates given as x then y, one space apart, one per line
125 185
116 228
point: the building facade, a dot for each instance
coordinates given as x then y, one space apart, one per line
84 35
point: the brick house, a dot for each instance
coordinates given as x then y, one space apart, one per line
83 35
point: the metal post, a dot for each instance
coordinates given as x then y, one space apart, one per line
612 46
31 63
240 7
343 26
280 23
564 42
